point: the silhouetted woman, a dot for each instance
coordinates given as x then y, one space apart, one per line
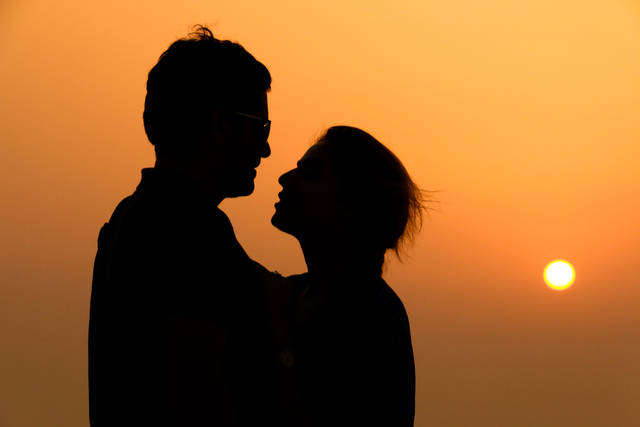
347 355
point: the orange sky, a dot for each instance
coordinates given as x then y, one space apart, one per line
524 114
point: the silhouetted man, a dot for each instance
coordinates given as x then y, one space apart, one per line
178 325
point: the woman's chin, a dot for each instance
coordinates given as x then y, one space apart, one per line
277 220
280 222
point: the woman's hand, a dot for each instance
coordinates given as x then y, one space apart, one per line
279 292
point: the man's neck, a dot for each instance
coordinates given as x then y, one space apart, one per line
192 174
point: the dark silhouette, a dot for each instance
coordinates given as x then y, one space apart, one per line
178 331
345 334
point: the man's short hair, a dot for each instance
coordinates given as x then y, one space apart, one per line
194 76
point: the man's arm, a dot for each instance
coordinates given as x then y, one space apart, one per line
198 393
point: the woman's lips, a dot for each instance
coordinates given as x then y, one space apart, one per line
281 198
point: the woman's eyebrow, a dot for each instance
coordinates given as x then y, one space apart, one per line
308 162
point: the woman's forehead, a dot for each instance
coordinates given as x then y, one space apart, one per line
317 152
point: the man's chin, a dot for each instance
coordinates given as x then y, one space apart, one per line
241 191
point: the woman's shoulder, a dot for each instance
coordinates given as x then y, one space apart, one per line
297 278
387 306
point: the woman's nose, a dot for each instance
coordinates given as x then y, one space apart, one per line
285 177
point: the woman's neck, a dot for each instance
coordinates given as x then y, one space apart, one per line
330 256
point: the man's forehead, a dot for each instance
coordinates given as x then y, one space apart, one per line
252 102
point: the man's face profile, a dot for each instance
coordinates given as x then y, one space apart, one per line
239 142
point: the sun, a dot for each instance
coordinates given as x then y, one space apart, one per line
559 275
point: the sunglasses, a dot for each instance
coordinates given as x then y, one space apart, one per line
266 123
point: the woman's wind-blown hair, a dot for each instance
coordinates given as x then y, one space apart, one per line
389 206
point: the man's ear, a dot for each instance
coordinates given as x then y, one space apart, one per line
210 130
220 125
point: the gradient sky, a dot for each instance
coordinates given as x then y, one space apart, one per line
524 114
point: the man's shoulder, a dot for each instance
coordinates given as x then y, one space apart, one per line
122 209
144 213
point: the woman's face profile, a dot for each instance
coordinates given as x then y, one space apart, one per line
308 203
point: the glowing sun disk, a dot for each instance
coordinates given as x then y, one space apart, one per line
559 275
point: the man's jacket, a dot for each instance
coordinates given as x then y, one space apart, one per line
178 331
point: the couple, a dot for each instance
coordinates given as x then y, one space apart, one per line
186 330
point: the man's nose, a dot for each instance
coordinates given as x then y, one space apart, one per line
266 150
